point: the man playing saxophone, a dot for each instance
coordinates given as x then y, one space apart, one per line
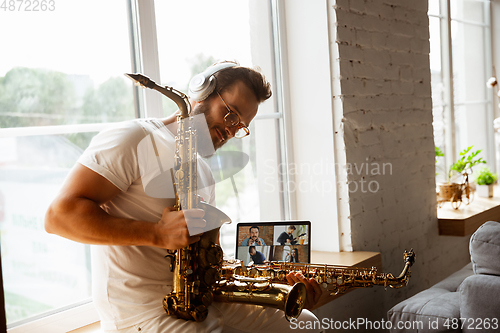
103 202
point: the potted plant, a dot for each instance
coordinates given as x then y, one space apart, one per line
463 166
439 153
458 178
485 180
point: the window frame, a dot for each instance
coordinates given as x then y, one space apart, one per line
451 148
142 36
148 103
312 144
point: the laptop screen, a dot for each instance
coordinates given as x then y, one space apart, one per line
287 241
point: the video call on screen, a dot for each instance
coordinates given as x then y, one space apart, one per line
258 243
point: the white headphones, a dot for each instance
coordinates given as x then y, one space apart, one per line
203 84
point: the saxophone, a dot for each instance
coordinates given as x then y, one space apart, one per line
201 276
334 278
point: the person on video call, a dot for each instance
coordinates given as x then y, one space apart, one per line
286 237
294 257
257 257
103 203
254 238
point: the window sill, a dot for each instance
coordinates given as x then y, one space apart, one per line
465 220
351 259
80 315
92 328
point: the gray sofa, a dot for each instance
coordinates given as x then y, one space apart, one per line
466 301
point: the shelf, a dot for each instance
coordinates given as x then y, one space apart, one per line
361 259
352 259
465 220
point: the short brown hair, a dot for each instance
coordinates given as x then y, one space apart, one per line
252 78
253 227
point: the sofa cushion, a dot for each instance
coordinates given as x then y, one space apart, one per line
452 282
480 303
433 307
484 247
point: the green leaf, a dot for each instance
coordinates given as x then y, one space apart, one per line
465 163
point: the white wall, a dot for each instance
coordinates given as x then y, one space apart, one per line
378 53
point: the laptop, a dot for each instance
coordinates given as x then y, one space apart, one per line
285 241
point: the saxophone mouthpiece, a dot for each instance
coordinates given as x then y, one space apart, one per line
141 80
410 257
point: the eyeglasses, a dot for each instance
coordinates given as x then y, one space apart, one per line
231 119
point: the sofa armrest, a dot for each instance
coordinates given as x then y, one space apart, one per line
480 300
484 247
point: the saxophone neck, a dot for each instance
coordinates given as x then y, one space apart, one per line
409 260
404 277
177 96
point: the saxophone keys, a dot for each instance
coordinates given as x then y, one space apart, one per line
253 272
199 313
207 298
214 255
324 285
238 270
211 276
170 305
335 292
319 279
195 288
179 174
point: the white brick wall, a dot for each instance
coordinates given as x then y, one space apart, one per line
383 61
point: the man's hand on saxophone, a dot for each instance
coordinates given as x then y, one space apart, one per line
315 292
177 229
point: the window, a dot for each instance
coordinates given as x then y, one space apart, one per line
228 30
62 82
460 61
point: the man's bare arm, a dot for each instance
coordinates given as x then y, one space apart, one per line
76 214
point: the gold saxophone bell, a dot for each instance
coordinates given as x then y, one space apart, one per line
290 299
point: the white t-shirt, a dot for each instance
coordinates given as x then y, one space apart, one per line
129 282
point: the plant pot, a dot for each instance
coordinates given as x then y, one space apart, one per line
447 191
484 191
